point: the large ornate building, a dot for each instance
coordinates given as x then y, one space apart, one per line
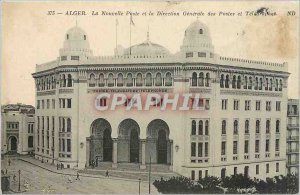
17 129
239 128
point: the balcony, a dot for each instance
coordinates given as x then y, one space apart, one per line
292 150
293 138
292 126
292 113
293 163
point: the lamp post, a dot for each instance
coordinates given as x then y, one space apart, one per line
19 180
139 185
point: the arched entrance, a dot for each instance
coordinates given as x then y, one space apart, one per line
129 141
13 144
100 141
158 144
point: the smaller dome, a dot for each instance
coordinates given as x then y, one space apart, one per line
76 38
146 48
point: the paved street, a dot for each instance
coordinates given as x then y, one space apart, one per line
37 180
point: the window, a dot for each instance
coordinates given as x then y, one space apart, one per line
246 171
239 82
63 58
68 145
38 104
235 127
247 104
206 127
223 149
224 104
206 173
267 145
200 31
236 104
223 173
268 105
234 170
234 82
53 103
201 79
30 141
53 123
200 149
267 168
227 81
102 102
278 106
200 174
206 104
139 80
63 145
257 126
246 147
246 126
235 147
74 57
277 167
120 81
277 145
277 126
207 79
193 127
256 146
194 79
250 83
257 169
68 125
257 105
193 149
48 123
189 55
69 103
193 175
222 81
43 104
267 126
206 149
84 37
223 127
201 54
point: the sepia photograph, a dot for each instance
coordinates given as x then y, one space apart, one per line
150 97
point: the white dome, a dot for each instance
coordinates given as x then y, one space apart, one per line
197 38
147 48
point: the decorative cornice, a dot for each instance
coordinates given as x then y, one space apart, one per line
43 93
132 90
199 90
64 91
250 93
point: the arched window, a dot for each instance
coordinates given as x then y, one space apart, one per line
280 85
207 78
260 83
148 79
139 80
268 126
267 84
168 80
271 85
53 83
194 79
193 127
64 80
227 81
63 124
276 86
47 83
222 81
235 127
92 81
239 82
246 83
68 125
158 79
277 126
206 127
223 173
201 79
67 36
223 127
234 82
101 80
246 126
200 31
200 128
120 80
250 83
256 83
60 81
129 82
257 126
70 80
110 80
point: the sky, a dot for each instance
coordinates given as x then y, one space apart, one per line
30 36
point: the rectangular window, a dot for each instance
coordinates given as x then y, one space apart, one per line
201 54
235 147
68 145
278 106
267 168
30 141
247 104
206 104
267 145
74 57
48 103
206 173
189 55
224 104
63 145
38 104
48 142
28 128
63 58
246 147
200 149
268 105
277 145
257 169
53 123
257 105
256 146
43 104
223 149
48 124
69 103
277 167
200 174
234 170
193 175
193 149
53 104
236 104
206 149
102 102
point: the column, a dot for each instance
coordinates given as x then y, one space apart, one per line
115 153
143 165
171 155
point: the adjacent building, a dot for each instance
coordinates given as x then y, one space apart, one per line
17 128
240 126
293 136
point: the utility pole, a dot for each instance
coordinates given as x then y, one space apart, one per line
150 175
19 180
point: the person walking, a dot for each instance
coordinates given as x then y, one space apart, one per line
5 171
106 173
77 177
9 162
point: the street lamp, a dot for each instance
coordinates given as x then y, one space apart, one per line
19 180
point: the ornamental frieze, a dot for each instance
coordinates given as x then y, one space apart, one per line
43 93
135 90
250 93
200 90
64 91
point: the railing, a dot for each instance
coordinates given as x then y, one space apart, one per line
290 150
291 138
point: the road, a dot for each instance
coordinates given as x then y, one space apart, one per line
37 180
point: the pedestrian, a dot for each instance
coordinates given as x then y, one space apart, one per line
106 173
57 166
5 171
77 177
14 178
9 162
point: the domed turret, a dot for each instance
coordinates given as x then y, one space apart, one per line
197 39
76 45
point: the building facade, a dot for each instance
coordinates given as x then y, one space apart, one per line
17 128
293 136
238 128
